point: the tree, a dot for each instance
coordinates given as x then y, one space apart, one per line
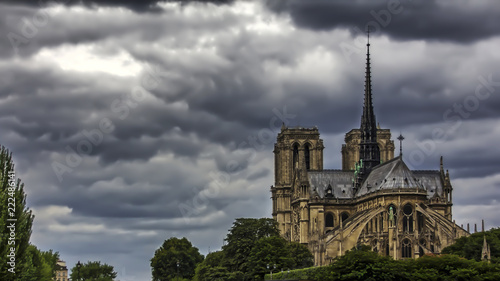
363 264
471 247
93 271
211 268
272 252
39 265
300 254
175 258
241 239
51 259
16 221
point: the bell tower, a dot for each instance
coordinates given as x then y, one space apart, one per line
296 151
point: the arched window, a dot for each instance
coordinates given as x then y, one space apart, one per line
407 209
307 156
420 221
408 218
343 217
295 155
329 220
406 248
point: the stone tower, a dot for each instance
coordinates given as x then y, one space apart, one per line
350 150
296 151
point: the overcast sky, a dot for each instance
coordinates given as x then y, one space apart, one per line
135 121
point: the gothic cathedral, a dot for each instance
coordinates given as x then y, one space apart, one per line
375 199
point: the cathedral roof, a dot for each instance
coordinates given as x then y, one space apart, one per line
339 181
393 174
430 180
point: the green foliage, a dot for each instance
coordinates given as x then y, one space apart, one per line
12 196
310 273
451 267
51 258
300 255
38 266
211 268
93 271
164 263
242 238
363 264
275 253
252 246
471 247
269 253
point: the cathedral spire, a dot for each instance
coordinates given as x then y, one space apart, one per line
369 151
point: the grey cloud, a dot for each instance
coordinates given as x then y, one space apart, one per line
430 20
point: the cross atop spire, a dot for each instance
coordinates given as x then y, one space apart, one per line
368 35
401 138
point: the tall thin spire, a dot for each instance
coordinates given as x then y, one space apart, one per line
369 151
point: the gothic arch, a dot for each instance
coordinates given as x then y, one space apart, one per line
433 220
344 216
329 219
406 248
407 214
307 155
295 154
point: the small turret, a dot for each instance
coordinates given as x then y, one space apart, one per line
485 253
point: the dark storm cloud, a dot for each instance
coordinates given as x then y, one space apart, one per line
30 28
458 21
135 5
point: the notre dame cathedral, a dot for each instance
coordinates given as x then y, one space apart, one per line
375 199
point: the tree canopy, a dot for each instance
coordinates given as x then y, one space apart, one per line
471 247
253 248
39 265
175 258
362 264
93 271
242 237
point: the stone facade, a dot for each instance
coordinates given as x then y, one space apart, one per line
323 209
374 200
